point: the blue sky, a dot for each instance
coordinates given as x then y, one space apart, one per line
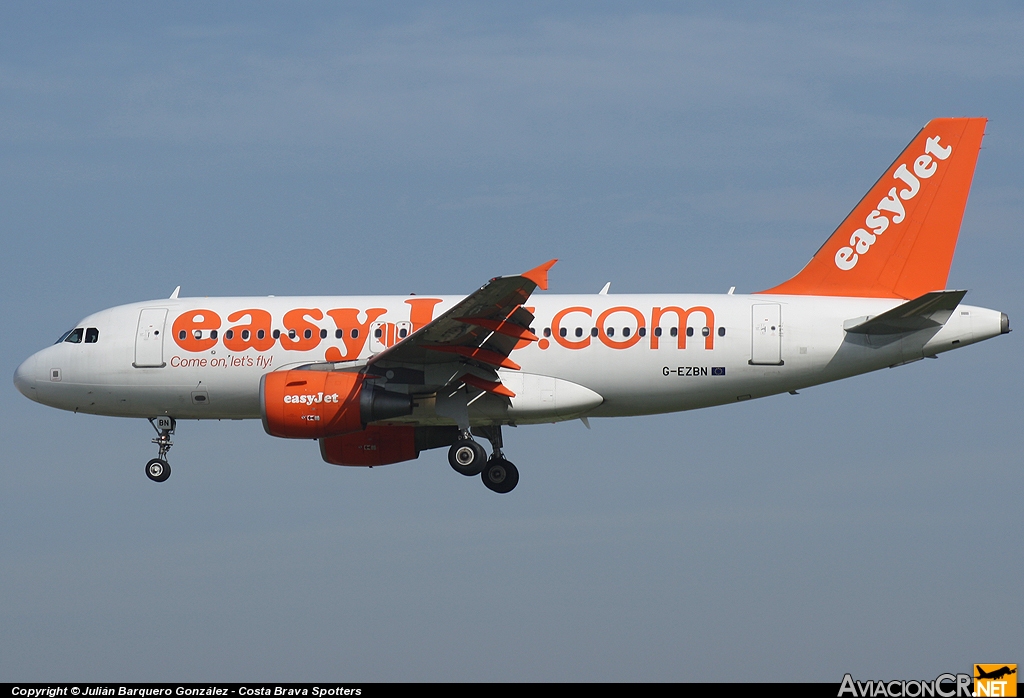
866 526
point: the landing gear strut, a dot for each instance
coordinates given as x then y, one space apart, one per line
158 469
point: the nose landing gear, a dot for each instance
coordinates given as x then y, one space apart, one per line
158 469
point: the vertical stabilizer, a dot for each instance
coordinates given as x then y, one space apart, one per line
899 240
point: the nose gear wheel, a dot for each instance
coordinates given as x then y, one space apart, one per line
158 470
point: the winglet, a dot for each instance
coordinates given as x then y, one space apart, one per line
539 275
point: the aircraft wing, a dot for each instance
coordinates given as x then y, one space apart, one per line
479 331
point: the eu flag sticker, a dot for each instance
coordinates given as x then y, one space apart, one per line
718 370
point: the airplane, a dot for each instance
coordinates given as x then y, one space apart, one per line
377 380
995 674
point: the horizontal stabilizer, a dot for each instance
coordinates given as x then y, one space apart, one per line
930 310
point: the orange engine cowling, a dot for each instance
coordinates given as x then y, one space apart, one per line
372 446
304 404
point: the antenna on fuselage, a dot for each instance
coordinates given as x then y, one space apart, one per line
174 293
604 291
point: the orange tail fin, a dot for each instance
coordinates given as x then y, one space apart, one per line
899 240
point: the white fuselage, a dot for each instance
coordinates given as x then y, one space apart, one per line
651 353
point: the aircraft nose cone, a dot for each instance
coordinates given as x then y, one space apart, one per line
24 378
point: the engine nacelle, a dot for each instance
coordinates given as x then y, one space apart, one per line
305 404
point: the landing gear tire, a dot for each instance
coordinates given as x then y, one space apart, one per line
467 457
158 470
500 476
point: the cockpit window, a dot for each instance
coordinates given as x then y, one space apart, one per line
92 335
63 336
74 336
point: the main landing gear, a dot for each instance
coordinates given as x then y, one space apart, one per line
159 469
468 457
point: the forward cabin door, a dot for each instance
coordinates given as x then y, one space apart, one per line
149 339
766 342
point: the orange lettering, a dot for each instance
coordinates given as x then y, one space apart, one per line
614 343
683 318
421 311
307 335
556 328
249 336
347 320
188 329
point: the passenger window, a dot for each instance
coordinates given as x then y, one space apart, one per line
308 334
657 331
355 334
579 331
403 332
245 335
276 333
610 331
323 334
593 332
92 335
705 331
625 331
230 334
674 331
213 334
721 331
181 335
338 334
689 331
561 332
291 334
378 333
642 332
547 331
